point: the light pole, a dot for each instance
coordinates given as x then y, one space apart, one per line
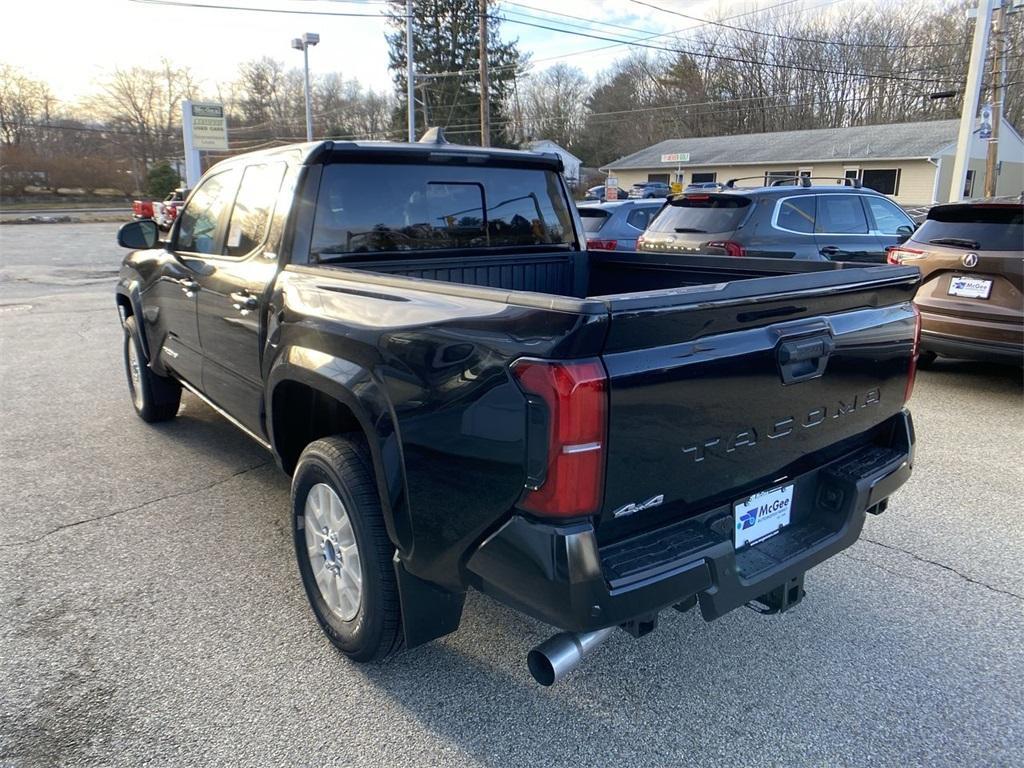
302 44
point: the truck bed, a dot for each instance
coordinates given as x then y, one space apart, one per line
588 274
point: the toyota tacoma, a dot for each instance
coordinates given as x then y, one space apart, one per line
464 396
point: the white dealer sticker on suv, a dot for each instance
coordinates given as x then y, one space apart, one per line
762 514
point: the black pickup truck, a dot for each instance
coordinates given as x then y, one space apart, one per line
464 396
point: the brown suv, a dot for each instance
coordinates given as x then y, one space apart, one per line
971 257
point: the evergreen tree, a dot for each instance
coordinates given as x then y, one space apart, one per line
446 40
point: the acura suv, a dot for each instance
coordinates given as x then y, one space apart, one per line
828 222
971 257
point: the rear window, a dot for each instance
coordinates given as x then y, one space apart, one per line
363 208
980 228
702 213
593 219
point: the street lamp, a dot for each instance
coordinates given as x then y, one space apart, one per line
302 44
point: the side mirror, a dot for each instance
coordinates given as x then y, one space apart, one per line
138 234
904 232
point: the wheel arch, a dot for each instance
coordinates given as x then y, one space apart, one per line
311 395
128 302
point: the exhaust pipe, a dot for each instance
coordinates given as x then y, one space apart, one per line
557 656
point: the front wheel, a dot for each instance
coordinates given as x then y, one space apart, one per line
343 550
155 398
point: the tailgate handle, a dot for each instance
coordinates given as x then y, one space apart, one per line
806 358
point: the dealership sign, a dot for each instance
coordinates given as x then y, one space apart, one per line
676 157
209 127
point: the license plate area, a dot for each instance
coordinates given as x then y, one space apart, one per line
969 287
761 515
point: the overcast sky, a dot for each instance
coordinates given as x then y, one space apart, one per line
71 43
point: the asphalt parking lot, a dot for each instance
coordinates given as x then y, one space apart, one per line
151 612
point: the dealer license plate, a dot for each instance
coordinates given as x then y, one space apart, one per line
762 515
969 287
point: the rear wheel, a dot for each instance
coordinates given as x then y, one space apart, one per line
343 550
155 398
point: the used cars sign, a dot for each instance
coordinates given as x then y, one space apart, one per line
209 127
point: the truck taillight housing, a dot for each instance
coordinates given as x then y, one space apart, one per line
730 247
569 401
602 245
915 352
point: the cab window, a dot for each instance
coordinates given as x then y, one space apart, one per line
254 206
199 230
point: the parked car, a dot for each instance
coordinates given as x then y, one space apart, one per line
165 212
649 189
971 257
142 209
162 212
465 396
600 193
824 222
702 185
615 225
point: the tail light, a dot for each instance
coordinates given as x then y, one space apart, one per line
640 242
730 247
602 245
914 354
565 471
897 254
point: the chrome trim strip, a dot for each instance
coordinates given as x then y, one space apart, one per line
226 415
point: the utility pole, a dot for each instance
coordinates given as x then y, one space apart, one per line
303 44
970 106
998 59
410 73
485 86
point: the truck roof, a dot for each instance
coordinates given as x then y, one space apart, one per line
316 152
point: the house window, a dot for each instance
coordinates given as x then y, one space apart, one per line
969 185
886 181
783 177
662 177
703 178
806 172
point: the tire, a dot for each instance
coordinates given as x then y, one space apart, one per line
365 626
925 360
155 398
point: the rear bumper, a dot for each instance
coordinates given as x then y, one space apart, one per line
972 349
559 574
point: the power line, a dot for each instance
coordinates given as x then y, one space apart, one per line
736 59
296 11
817 41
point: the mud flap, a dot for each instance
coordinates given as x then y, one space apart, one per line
428 611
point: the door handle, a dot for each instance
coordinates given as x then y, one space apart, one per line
831 250
243 301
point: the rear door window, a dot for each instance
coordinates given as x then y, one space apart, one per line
593 219
888 216
641 217
254 205
978 227
840 215
702 213
796 214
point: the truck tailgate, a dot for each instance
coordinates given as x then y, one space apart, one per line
716 392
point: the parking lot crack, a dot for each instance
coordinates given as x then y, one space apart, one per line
136 507
936 563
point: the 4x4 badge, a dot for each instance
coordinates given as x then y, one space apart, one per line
969 260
